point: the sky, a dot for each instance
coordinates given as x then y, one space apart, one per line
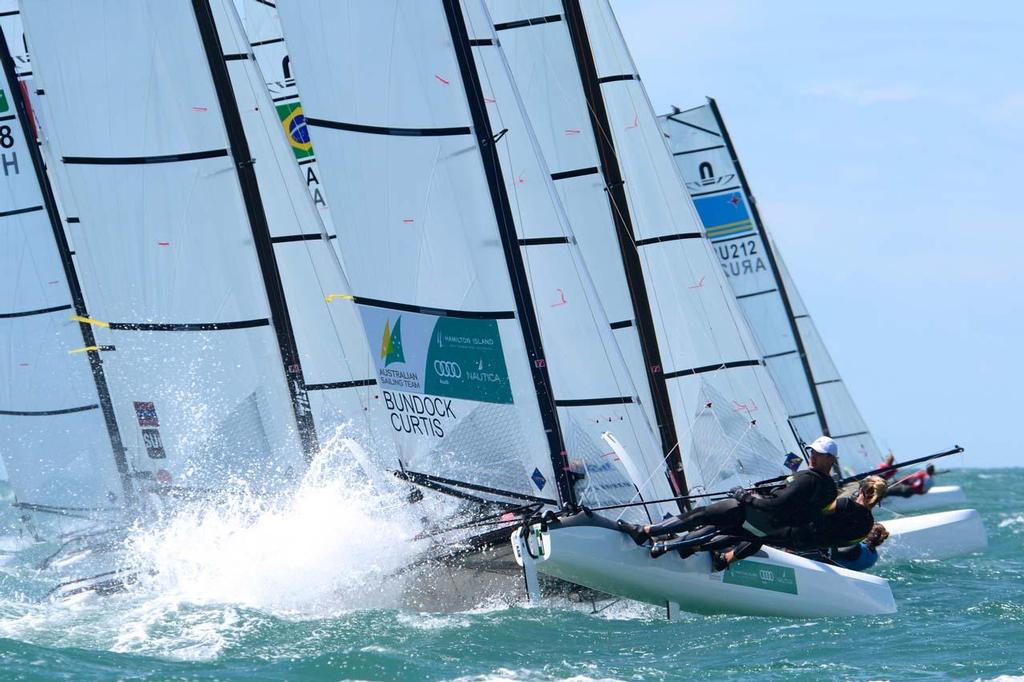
884 143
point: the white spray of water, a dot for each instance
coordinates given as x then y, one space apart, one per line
332 545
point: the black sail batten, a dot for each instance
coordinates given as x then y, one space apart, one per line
244 167
624 232
525 312
759 226
106 404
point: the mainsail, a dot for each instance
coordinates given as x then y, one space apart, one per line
815 395
176 236
496 360
62 447
683 336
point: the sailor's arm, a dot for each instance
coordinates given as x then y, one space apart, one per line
783 500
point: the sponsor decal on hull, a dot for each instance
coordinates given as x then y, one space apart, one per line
761 576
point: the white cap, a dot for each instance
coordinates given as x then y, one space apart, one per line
824 445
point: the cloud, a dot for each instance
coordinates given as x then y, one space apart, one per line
864 95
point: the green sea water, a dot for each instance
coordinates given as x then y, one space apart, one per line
958 619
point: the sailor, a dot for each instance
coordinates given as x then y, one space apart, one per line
864 554
845 522
917 483
750 514
887 464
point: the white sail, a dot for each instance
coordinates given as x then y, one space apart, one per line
684 338
263 31
815 395
453 234
60 452
182 296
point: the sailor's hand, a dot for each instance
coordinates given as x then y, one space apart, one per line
739 493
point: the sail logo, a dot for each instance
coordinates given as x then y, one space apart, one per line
391 343
294 123
437 355
724 215
761 576
4 104
447 369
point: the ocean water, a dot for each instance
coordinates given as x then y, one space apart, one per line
271 601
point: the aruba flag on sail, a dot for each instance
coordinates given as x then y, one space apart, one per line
724 215
294 123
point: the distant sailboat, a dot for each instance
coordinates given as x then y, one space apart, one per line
815 394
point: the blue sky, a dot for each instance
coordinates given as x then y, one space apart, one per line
885 145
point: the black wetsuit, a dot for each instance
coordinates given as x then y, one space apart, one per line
846 525
798 503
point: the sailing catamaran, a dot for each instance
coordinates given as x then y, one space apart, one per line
467 271
815 394
794 352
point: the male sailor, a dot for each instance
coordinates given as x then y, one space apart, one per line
747 513
917 483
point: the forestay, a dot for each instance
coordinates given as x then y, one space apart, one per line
815 395
684 337
496 360
61 446
169 246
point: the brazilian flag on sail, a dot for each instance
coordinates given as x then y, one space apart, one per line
295 127
724 215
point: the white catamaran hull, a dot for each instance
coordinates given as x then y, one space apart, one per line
934 536
939 496
771 583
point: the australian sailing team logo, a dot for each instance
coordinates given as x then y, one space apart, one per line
294 123
438 355
391 343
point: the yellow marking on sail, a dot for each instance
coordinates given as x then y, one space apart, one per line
345 297
386 347
89 320
84 349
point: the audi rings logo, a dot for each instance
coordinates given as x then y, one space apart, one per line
766 575
447 369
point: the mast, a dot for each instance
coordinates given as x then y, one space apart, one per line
797 338
525 313
615 189
244 166
74 286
